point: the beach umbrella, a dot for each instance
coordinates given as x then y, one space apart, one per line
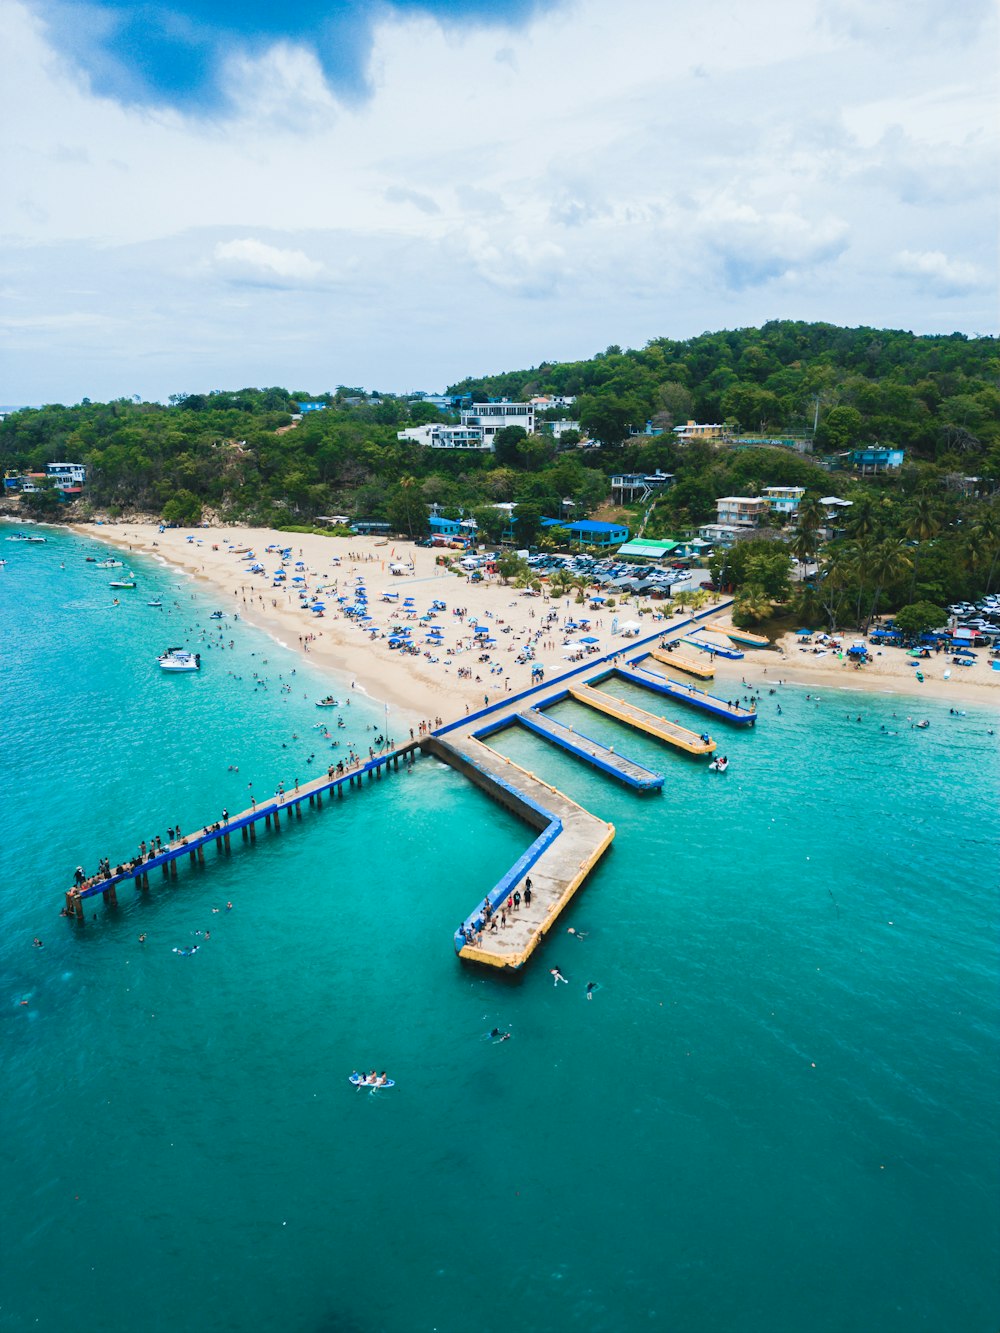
589 638
803 631
300 564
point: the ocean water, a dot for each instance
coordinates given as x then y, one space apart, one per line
777 1115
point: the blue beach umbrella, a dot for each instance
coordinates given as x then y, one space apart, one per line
803 631
589 638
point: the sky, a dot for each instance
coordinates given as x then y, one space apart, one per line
396 195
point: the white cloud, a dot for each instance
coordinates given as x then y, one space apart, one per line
639 169
949 277
249 260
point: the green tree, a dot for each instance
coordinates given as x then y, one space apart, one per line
182 508
407 510
919 617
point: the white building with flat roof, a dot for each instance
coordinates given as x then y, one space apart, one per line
436 436
491 417
741 511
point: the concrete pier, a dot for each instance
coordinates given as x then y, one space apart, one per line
570 842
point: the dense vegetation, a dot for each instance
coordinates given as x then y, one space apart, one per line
910 538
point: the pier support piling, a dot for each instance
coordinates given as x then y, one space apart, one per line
253 832
226 843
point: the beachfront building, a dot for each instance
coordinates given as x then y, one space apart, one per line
652 552
874 458
720 534
741 511
637 487
436 436
699 430
67 477
784 500
590 532
488 418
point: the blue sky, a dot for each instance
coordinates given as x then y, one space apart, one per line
397 195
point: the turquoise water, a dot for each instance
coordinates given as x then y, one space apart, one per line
778 1114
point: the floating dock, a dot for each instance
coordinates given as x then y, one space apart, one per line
602 757
716 649
270 812
570 843
634 716
680 663
732 711
740 635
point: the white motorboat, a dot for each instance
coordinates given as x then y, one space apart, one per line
179 659
110 564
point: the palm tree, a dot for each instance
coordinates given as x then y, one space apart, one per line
923 524
862 522
982 542
810 514
889 561
803 545
751 605
836 577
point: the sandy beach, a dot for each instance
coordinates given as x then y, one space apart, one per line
439 685
428 687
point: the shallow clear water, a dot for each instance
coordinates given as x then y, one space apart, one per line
777 1114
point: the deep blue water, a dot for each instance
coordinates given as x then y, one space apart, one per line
778 1114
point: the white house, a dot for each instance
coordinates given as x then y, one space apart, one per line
491 417
784 500
436 436
741 511
66 476
719 534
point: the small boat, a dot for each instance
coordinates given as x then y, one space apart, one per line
91 559
110 564
122 583
922 725
362 1081
719 765
19 537
328 702
159 605
38 539
217 615
179 659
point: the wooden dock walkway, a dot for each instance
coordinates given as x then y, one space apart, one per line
634 716
704 670
287 805
740 635
688 693
602 757
570 843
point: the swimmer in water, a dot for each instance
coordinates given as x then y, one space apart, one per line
557 976
580 934
591 987
186 952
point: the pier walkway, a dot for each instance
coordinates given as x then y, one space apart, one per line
602 757
680 663
639 719
287 805
687 693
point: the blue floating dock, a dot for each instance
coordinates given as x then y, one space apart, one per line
716 649
687 694
590 751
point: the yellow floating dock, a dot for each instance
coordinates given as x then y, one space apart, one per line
740 635
634 716
704 670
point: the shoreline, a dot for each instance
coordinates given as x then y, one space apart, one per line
424 689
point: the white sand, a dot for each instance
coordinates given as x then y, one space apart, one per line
423 689
428 690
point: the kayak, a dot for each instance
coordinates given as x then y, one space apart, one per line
360 1081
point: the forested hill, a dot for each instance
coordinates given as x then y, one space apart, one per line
239 454
927 394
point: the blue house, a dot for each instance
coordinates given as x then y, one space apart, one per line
874 458
590 532
445 527
311 407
